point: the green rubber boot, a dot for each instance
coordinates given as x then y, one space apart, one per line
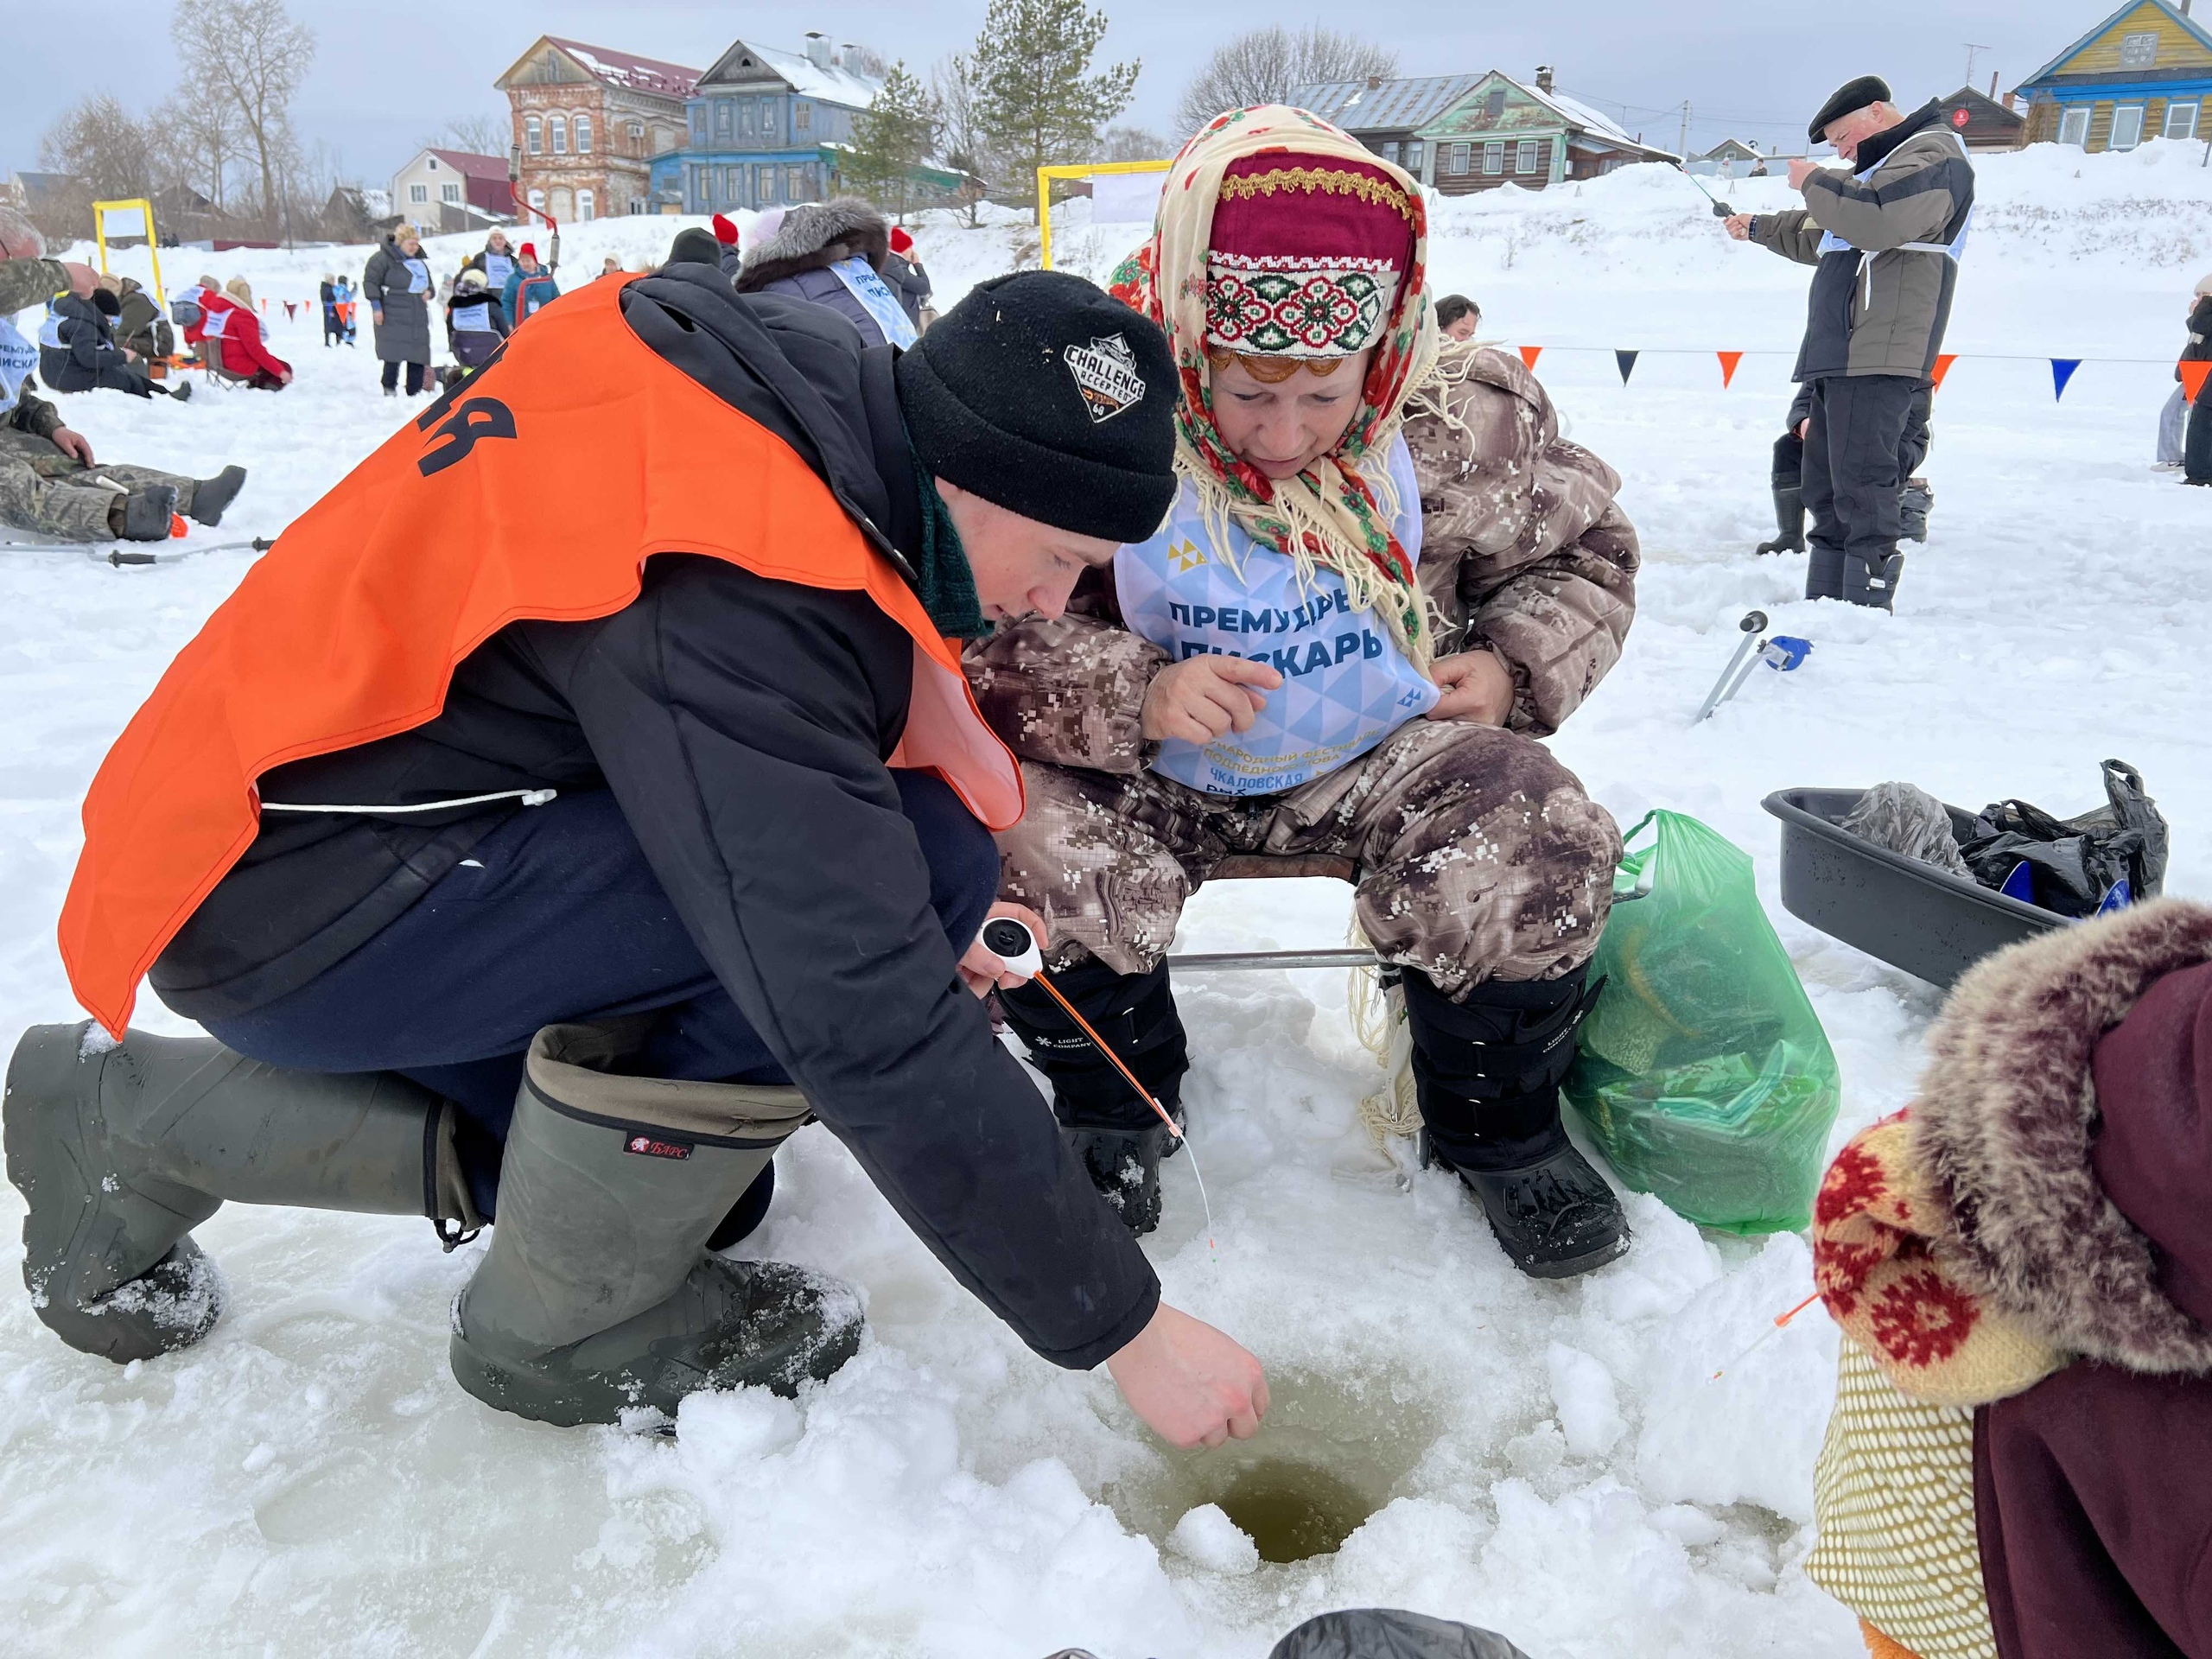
122 1148
597 1295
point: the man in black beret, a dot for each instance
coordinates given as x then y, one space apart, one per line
1886 237
607 805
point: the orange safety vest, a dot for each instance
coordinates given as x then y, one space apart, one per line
537 493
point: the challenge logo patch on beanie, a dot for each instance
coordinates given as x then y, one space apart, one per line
1106 373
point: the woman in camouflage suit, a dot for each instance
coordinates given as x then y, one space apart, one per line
1384 576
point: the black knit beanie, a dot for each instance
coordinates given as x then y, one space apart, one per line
694 246
1044 394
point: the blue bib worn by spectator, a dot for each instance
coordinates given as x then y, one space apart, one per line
18 356
877 300
1346 686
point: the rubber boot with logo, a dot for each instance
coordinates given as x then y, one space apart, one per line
597 1295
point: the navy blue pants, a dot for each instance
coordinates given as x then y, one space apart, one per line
556 916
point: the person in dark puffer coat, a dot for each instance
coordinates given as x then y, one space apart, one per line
2196 449
800 256
397 285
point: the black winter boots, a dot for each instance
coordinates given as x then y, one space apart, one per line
1121 1140
1915 502
210 496
143 515
1487 1072
1873 582
1789 520
121 1149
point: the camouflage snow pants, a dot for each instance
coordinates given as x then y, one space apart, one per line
45 493
1477 855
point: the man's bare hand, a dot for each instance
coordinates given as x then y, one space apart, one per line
1192 1385
73 444
1800 170
982 972
1476 687
1804 428
1739 226
1199 700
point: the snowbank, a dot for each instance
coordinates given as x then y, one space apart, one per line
1560 1462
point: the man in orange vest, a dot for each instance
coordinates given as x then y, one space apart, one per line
578 799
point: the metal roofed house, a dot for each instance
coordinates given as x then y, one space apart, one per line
1981 122
588 121
444 191
2144 72
1464 133
1731 158
768 128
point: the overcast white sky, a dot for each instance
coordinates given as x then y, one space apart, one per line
388 73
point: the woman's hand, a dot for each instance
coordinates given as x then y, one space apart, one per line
1192 1385
1476 687
1200 699
982 972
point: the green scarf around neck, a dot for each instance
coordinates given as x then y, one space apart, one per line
947 586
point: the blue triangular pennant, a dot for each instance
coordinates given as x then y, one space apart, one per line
2062 370
1627 360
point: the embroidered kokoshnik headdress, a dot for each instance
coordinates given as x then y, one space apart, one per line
1280 237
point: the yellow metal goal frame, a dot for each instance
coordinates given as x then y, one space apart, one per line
100 210
1046 175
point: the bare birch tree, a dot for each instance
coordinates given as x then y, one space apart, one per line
1266 65
253 54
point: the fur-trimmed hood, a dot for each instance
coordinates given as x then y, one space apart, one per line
2028 1164
815 236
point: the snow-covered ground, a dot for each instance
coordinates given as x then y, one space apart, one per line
1551 1461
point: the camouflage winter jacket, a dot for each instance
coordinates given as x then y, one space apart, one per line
1523 551
24 283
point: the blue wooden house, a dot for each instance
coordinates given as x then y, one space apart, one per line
2144 72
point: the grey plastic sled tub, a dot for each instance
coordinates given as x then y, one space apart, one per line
1911 915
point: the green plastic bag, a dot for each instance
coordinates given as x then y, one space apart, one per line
1704 1072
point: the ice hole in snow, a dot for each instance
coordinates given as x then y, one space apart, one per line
1330 1453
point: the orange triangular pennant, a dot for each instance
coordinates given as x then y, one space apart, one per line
1529 354
2192 378
1728 362
1943 367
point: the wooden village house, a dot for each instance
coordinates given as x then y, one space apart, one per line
1464 133
2144 72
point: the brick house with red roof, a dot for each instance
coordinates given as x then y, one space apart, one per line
588 121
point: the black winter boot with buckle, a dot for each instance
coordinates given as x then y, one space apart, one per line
1119 1139
1872 582
1487 1071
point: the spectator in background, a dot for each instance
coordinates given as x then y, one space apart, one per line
78 349
610 266
397 285
731 255
245 359
333 327
2196 453
140 324
1457 317
496 260
833 253
903 274
530 289
474 323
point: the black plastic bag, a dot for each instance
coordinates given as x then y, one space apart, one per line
2073 862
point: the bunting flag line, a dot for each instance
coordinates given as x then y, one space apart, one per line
1529 354
1728 362
291 310
1627 362
1943 362
2192 378
2062 370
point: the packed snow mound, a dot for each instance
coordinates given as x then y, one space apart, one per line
1613 1466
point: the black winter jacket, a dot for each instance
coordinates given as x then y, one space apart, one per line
743 724
88 349
2199 349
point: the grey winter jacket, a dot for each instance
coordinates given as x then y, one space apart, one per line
909 282
1880 305
403 318
812 238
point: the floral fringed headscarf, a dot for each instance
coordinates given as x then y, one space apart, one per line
1280 237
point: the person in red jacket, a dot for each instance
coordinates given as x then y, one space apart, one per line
244 357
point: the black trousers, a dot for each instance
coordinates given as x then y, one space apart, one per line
414 374
2196 450
1912 449
1852 471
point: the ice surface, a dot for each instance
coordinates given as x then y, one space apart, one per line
1559 1462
